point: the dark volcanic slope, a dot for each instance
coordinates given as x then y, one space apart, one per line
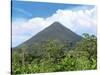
55 31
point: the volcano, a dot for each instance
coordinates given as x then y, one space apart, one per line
55 31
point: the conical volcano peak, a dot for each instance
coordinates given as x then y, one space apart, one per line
56 23
55 31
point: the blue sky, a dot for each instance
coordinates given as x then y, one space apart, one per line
28 18
37 9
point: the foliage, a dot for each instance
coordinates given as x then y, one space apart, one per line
57 56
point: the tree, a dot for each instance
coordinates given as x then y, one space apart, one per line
56 56
52 50
88 48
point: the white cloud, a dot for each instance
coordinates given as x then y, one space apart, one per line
79 21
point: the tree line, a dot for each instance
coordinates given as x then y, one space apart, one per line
55 56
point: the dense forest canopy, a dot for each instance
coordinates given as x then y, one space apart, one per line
54 56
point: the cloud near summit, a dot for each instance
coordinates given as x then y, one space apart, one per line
79 21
